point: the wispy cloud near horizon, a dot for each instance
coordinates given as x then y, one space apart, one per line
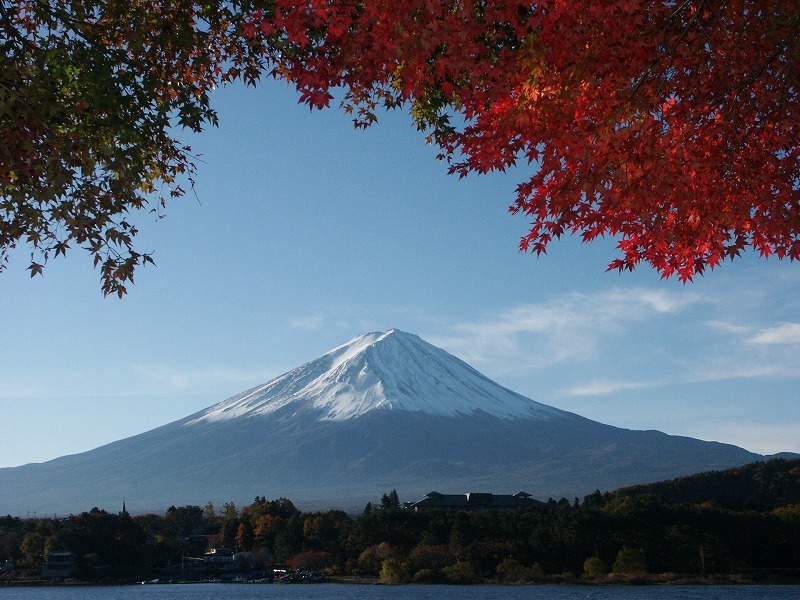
311 322
567 328
606 387
195 379
611 341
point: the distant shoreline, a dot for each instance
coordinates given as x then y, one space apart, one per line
643 579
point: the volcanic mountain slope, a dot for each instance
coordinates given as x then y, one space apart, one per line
383 411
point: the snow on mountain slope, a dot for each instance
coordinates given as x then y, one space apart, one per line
393 370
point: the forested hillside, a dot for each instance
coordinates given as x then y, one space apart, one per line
741 525
756 486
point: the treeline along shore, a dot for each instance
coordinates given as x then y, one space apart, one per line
737 525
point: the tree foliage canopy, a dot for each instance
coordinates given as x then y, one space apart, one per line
669 124
90 91
668 527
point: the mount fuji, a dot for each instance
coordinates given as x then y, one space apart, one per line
382 411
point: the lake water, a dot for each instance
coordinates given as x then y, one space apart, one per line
333 591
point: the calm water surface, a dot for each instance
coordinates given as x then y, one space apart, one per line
408 592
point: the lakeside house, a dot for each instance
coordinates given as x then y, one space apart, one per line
60 565
219 557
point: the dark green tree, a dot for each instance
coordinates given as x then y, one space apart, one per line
390 500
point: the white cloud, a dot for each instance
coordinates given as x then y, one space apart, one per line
735 368
586 345
783 333
202 379
725 327
57 386
660 301
746 351
606 387
567 328
309 323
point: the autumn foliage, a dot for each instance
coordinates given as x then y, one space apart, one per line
670 125
90 91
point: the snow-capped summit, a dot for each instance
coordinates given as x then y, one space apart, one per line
392 370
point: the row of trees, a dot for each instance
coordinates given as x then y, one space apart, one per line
605 532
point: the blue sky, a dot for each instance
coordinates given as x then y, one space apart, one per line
305 232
